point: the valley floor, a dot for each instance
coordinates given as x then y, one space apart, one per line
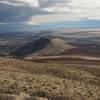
26 80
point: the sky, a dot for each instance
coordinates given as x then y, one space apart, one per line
28 15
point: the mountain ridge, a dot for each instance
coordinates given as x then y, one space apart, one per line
43 46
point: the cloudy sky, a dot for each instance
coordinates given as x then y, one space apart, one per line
24 15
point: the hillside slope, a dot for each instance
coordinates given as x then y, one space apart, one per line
23 80
43 46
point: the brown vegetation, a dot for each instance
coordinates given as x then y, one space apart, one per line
25 80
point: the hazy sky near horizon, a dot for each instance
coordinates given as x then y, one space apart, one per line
31 14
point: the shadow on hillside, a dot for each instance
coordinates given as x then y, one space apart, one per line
31 47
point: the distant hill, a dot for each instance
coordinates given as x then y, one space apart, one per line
43 46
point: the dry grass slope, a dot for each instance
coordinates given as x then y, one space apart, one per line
24 80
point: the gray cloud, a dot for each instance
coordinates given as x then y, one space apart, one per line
24 10
12 12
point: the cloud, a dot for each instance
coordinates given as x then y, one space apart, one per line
85 4
10 3
56 9
32 3
18 10
67 10
42 19
47 11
